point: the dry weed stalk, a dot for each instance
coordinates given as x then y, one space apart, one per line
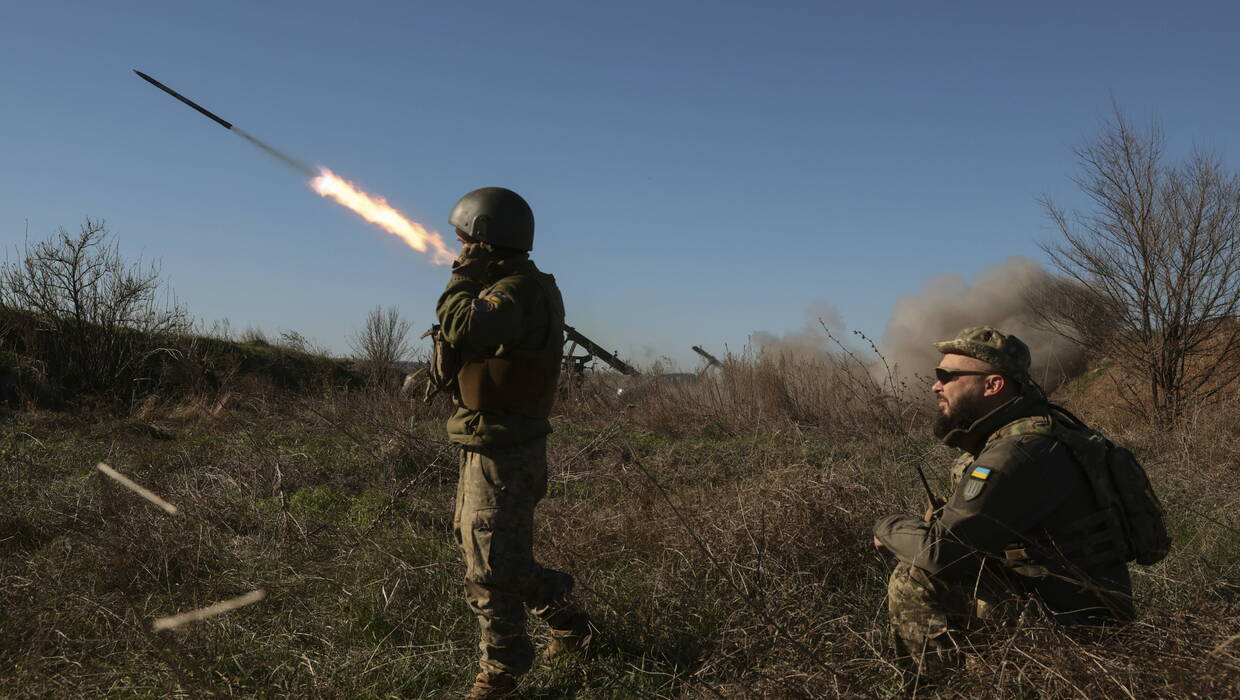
137 488
181 619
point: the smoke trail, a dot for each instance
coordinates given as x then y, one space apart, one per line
288 160
996 298
372 208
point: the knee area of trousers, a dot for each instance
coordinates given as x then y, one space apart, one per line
549 587
908 582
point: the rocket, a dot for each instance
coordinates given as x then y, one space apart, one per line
183 98
327 184
279 155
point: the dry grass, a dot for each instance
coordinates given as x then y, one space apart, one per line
718 530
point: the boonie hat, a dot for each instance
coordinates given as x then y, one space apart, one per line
1006 353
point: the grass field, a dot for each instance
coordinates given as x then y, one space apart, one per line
720 533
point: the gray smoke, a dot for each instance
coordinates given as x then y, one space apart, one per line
810 341
996 298
281 156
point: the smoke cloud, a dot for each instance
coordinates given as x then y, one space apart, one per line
996 298
810 341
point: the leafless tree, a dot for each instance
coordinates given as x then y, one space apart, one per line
382 344
1151 272
99 315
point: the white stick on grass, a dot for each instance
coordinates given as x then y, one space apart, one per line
175 621
136 488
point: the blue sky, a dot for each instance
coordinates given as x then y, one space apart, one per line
699 171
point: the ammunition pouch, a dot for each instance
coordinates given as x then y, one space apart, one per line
520 385
1090 542
1019 561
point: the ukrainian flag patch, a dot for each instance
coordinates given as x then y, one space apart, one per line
489 301
976 482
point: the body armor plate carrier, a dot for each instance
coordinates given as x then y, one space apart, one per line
522 384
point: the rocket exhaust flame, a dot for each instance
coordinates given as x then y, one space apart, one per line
374 209
377 211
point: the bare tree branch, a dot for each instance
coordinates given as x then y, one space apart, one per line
382 344
1151 274
99 312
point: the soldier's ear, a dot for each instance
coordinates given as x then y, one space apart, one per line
995 384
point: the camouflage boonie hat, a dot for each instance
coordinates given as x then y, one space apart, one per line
1006 353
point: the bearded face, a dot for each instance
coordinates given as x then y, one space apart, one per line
959 411
961 393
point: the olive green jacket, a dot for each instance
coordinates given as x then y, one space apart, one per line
1018 487
509 315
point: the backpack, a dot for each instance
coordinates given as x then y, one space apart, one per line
1120 484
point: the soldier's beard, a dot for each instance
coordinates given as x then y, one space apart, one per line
960 415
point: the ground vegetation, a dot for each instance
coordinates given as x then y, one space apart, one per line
719 531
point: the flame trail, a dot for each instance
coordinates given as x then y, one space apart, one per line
374 209
377 211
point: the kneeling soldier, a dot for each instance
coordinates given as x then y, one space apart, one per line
1027 520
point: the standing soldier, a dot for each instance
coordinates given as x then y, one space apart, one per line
1037 511
503 320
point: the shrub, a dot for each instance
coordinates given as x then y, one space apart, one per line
96 318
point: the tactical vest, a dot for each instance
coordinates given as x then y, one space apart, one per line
1128 524
519 381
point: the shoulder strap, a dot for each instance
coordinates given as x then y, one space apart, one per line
1029 425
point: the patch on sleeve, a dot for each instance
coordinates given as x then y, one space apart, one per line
976 482
489 301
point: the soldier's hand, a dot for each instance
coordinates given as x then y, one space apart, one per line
471 264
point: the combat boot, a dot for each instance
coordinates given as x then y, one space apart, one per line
493 686
574 641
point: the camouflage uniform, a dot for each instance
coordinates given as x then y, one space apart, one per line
517 318
1021 524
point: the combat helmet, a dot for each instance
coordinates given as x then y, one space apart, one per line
497 216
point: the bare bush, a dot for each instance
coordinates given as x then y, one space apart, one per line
382 344
1158 259
1074 310
98 316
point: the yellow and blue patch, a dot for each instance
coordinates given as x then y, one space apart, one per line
489 301
976 482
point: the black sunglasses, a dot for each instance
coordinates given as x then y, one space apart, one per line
945 375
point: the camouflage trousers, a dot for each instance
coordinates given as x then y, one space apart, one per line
932 620
494 528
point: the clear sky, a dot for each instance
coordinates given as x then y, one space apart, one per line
698 170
